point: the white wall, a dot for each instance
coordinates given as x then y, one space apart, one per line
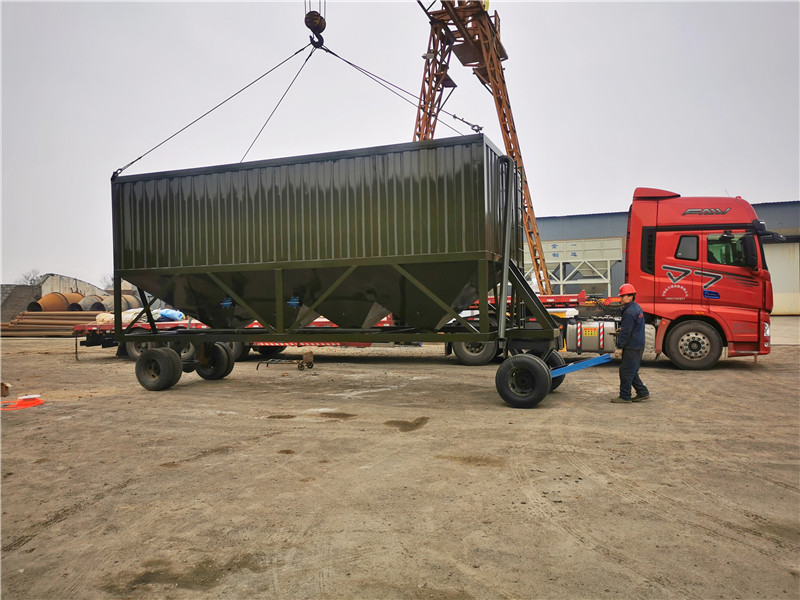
52 282
783 261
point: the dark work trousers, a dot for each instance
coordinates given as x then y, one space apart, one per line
629 373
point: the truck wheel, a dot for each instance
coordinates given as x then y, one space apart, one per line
134 348
554 361
694 345
523 380
156 370
218 360
475 354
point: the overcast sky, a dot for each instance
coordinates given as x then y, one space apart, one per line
697 98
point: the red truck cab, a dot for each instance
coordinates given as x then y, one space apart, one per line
699 271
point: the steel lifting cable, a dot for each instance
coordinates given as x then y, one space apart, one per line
120 170
260 131
388 85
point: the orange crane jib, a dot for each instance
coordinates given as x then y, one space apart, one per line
465 29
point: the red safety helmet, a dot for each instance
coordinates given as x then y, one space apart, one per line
626 288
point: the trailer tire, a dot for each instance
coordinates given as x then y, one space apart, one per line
554 361
156 369
239 349
185 349
231 360
177 364
523 380
218 360
475 354
694 345
135 349
269 351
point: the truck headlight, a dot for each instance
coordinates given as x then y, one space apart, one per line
766 330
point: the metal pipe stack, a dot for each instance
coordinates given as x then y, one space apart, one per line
46 323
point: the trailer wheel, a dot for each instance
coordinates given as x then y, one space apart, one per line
185 349
269 351
239 349
523 380
136 349
177 364
475 354
217 359
231 360
158 370
554 361
694 345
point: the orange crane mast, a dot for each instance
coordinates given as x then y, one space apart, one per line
465 28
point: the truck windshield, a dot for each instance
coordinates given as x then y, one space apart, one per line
726 249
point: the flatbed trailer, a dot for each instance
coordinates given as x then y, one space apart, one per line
103 334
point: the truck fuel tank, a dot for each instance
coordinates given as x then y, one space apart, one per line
599 336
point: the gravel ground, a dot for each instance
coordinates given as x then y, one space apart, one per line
393 472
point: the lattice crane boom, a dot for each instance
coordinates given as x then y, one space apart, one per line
465 28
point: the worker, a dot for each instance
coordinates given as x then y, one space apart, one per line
630 347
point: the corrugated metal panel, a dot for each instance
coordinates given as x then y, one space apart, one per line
583 226
408 200
783 217
406 229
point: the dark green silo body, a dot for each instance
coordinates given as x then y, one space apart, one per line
415 230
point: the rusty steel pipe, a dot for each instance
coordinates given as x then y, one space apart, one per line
106 303
84 303
55 301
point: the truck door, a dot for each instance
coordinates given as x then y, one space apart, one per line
677 263
727 279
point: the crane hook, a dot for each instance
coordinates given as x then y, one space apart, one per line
316 23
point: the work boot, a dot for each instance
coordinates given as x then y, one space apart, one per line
621 400
640 398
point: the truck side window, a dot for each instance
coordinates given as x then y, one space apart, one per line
726 250
687 248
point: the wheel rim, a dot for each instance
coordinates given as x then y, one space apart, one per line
520 381
152 370
694 345
474 347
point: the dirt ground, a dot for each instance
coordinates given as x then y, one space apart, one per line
395 473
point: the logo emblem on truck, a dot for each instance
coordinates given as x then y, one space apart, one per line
675 274
706 211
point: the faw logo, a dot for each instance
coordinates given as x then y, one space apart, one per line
706 211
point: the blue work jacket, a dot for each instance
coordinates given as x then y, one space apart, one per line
631 331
